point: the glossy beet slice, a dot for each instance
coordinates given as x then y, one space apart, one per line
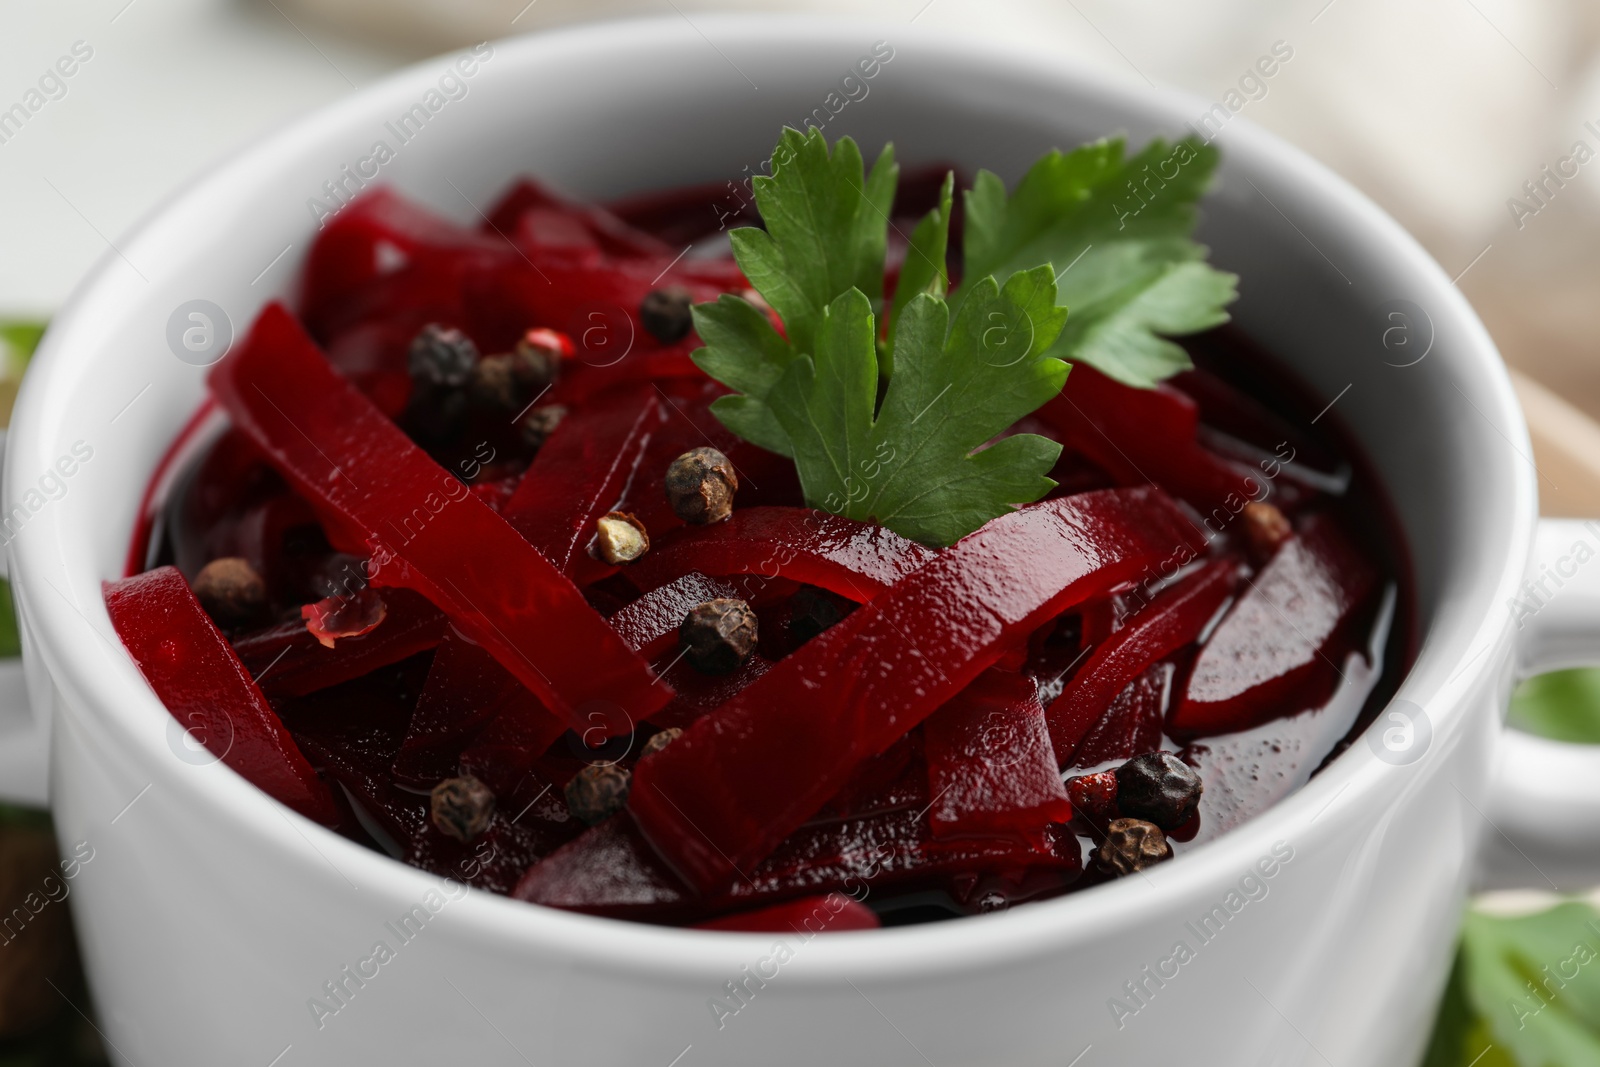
426 531
649 625
192 669
1168 622
991 768
1140 436
1131 724
723 796
383 255
854 559
610 870
580 474
808 915
466 689
605 232
1279 634
288 658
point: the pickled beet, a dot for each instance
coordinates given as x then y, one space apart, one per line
991 768
384 494
723 796
897 733
196 675
1276 638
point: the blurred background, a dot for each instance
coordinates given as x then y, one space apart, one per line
1474 122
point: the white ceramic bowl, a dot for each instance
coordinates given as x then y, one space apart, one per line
210 916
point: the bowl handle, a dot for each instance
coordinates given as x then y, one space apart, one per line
1545 808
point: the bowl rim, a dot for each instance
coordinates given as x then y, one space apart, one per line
119 701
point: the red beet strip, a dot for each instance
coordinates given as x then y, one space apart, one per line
1173 619
1277 637
857 560
722 797
991 769
193 670
579 475
426 531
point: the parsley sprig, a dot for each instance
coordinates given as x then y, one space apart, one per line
901 425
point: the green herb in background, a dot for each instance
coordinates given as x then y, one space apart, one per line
1525 992
1562 705
17 342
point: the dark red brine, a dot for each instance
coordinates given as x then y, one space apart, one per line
447 465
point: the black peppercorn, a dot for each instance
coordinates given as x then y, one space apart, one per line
700 485
1132 845
461 807
441 357
231 591
598 792
660 741
1160 788
493 383
665 314
718 635
620 537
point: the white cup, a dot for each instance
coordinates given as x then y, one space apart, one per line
211 917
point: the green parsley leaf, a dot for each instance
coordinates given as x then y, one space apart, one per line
924 269
826 229
1526 988
917 465
1118 231
745 353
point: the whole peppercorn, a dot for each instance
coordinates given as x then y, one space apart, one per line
620 537
598 792
660 741
700 485
493 384
461 807
665 314
538 424
1132 845
441 357
231 591
1160 787
1093 795
718 635
538 355
1265 529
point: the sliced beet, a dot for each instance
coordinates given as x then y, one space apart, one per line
854 559
195 673
721 797
1278 636
1131 724
428 531
991 769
